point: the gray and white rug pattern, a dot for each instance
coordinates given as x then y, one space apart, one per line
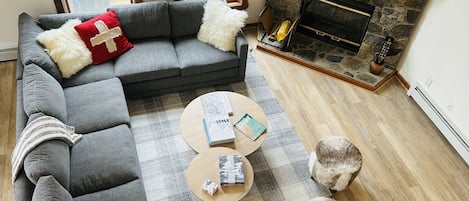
280 164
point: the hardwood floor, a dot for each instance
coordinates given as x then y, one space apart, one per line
7 126
405 156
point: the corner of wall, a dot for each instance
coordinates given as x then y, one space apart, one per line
401 65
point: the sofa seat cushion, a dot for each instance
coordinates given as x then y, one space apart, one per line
103 160
197 57
133 191
148 60
90 74
96 106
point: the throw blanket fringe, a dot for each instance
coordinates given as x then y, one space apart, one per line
38 131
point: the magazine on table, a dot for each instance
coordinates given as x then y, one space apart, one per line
218 129
250 126
216 103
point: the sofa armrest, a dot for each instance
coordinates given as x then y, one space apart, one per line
23 188
48 188
242 52
31 51
49 158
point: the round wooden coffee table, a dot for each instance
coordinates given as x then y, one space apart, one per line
193 131
205 166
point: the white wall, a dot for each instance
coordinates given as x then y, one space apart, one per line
254 9
438 58
9 12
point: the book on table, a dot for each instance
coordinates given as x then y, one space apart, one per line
231 170
218 129
216 103
250 126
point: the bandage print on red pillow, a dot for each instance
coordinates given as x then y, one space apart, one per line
104 37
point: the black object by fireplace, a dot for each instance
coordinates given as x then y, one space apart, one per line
339 22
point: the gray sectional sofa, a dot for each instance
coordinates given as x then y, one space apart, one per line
167 57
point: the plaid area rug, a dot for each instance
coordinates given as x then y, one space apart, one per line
280 165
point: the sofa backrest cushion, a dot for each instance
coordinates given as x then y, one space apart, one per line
186 17
54 21
144 20
48 188
30 49
42 93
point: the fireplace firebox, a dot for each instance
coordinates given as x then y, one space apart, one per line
339 22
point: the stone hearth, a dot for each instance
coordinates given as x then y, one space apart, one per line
395 18
343 62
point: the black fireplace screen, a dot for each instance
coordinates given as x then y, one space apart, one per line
340 22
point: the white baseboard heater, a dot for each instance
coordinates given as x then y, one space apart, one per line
441 120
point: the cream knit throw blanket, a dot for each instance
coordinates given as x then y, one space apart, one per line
40 130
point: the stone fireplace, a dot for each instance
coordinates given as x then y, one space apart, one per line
394 18
339 22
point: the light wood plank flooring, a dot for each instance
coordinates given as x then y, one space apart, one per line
7 126
405 156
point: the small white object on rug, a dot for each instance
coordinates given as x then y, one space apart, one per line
312 161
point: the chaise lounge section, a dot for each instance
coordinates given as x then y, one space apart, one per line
166 57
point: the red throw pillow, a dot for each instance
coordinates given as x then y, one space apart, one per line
104 37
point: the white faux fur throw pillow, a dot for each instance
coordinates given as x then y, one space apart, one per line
220 25
66 48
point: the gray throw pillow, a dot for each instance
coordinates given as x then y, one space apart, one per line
48 189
